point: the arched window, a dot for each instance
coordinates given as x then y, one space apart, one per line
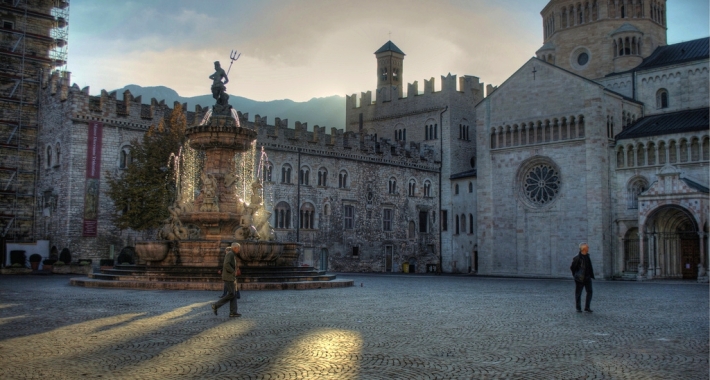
463 223
322 177
58 154
456 189
457 225
124 157
384 74
662 98
286 173
427 188
282 215
268 170
411 230
49 156
470 187
637 186
343 179
470 223
412 187
392 188
303 176
306 218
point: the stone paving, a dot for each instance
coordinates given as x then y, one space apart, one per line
393 327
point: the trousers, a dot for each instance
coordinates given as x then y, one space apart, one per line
230 295
587 286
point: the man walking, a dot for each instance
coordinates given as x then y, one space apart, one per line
583 274
229 273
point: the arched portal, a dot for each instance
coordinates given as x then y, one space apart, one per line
671 233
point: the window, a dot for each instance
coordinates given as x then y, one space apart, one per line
470 187
8 24
267 170
392 189
412 188
427 188
473 162
58 150
49 156
286 173
356 251
343 179
636 187
384 74
470 223
395 74
423 221
456 189
124 157
348 217
463 223
444 220
282 214
303 176
322 177
662 98
387 219
457 225
307 217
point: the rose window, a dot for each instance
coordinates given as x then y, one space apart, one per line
541 184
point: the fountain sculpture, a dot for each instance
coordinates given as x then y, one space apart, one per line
201 226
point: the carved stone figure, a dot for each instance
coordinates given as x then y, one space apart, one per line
173 228
219 91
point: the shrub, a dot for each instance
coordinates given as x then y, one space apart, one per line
84 261
35 258
17 265
59 263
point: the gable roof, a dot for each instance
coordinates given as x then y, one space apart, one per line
563 70
389 46
667 123
681 52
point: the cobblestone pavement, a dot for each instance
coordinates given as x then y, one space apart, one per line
393 327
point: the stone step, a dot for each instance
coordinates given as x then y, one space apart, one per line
203 285
216 279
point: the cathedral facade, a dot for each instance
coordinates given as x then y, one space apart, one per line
602 138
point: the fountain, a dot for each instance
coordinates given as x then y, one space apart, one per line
191 244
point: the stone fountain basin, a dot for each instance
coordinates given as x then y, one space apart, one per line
260 252
198 217
152 250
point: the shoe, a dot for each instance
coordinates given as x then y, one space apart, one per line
214 309
588 310
233 315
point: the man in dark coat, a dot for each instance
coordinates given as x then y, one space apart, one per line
229 273
583 274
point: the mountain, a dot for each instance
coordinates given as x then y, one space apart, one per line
328 111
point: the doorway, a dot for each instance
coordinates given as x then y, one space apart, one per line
324 259
388 258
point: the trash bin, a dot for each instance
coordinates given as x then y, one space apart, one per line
405 267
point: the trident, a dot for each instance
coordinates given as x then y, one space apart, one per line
234 55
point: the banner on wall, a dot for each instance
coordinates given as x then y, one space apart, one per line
93 176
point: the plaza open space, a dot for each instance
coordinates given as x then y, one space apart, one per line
385 327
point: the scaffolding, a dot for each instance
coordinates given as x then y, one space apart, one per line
33 42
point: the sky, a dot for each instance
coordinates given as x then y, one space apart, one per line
302 49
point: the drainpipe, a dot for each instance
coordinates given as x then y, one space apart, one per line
441 168
298 199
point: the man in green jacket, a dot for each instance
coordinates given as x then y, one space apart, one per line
229 273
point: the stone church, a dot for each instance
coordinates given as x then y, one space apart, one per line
602 137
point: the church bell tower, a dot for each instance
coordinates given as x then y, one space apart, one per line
390 67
